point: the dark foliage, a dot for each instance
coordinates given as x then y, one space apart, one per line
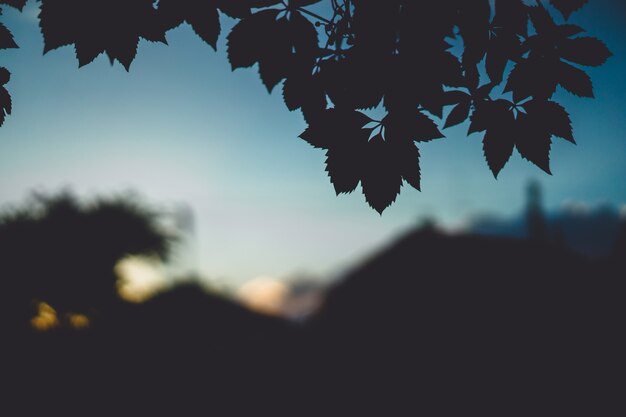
393 55
58 251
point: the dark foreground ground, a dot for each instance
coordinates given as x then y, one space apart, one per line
433 325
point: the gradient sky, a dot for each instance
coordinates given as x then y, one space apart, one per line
182 128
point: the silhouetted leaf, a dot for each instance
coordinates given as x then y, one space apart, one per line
272 42
304 38
408 125
5 104
355 80
482 92
499 138
6 38
497 149
382 178
262 38
502 47
509 23
374 25
5 76
345 161
533 77
449 70
257 4
471 76
334 125
341 132
488 112
575 81
458 114
541 19
430 96
584 51
274 63
305 91
455 97
302 3
478 120
497 58
206 25
201 15
567 30
409 163
5 97
294 88
237 9
58 30
532 140
248 38
18 4
474 28
113 27
512 16
428 21
550 116
409 84
567 7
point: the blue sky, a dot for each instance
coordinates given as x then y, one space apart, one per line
182 128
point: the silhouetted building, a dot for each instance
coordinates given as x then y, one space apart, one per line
439 324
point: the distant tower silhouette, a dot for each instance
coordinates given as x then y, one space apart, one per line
535 217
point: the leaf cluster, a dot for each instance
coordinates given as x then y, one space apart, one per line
496 64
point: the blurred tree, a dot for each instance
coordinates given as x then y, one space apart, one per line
57 251
408 60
